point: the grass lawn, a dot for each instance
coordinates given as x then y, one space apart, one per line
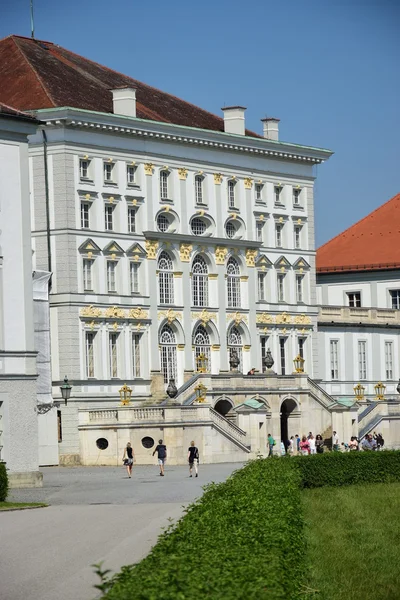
14 505
353 536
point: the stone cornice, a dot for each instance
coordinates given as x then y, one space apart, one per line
141 128
199 240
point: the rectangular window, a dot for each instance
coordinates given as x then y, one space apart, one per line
259 231
278 194
134 274
59 425
389 360
264 342
130 174
301 342
231 194
108 169
87 275
89 352
198 189
354 299
281 287
297 236
296 197
334 345
362 360
111 275
278 235
108 217
113 354
132 220
259 190
85 215
163 185
282 352
136 354
261 286
83 168
395 297
166 287
299 288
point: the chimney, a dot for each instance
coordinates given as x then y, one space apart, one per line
271 128
234 119
124 101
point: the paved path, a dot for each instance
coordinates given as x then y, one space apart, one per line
96 514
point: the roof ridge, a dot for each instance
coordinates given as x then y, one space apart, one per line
360 220
33 69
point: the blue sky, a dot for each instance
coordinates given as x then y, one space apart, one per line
329 69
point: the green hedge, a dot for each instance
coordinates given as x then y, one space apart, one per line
242 540
3 482
337 468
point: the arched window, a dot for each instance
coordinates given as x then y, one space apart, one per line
199 282
235 344
168 353
233 283
201 342
165 279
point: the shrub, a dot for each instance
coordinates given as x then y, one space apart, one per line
242 539
3 482
337 468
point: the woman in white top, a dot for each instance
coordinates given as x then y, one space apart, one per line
311 441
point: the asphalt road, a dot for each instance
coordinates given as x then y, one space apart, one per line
96 514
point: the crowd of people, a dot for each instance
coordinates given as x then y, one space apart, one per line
311 444
193 458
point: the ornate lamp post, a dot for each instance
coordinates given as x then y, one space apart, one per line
202 363
201 391
380 390
299 364
65 390
125 394
359 391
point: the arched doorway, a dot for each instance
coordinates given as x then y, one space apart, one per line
287 408
223 406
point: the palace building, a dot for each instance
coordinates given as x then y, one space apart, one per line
180 243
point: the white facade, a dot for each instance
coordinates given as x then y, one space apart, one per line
166 242
18 423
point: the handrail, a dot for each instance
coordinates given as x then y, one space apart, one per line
227 425
366 411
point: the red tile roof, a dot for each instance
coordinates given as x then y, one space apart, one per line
9 111
36 74
372 244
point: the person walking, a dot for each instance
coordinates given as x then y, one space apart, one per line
161 450
128 458
193 458
319 444
304 446
335 442
271 444
297 441
291 446
313 446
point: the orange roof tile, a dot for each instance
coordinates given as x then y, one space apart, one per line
37 74
372 244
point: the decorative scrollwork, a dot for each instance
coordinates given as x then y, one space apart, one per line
90 311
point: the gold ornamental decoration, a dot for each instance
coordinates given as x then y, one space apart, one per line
182 173
148 168
248 183
220 255
204 316
113 312
217 178
251 254
170 314
138 313
237 317
90 311
283 319
185 251
151 249
264 318
302 320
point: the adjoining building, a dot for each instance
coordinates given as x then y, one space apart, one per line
18 418
358 288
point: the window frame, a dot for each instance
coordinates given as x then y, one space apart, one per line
108 179
278 195
112 276
87 265
279 235
199 192
232 203
297 237
109 217
258 193
389 360
353 298
299 288
83 177
136 355
131 169
113 354
296 195
395 299
134 277
199 283
362 359
90 337
85 214
164 185
132 212
282 354
259 230
334 359
233 284
261 279
280 277
165 280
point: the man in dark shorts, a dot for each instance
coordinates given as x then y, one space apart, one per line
193 458
161 450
